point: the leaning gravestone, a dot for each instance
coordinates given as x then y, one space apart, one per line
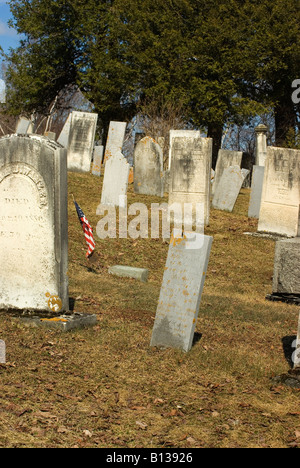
256 191
226 159
115 182
63 138
190 174
115 139
279 212
229 188
81 141
181 291
97 160
148 168
33 215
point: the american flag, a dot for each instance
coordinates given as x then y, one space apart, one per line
87 229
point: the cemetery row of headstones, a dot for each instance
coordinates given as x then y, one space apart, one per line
33 198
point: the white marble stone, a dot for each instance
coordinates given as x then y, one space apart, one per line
115 139
81 141
115 183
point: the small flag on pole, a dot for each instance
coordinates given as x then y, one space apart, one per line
87 229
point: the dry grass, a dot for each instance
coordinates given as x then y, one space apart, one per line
105 387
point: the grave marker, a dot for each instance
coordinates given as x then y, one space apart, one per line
63 138
115 139
181 291
33 215
97 160
180 134
256 191
229 188
190 175
115 183
24 126
81 141
148 168
279 212
225 159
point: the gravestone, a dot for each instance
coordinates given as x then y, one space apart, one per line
261 145
81 141
256 191
225 159
279 212
115 183
229 188
63 138
286 277
2 92
190 174
24 126
115 139
124 271
97 160
180 134
148 168
33 217
181 291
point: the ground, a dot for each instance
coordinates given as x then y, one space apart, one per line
105 387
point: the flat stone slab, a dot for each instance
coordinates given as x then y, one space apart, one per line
62 322
140 274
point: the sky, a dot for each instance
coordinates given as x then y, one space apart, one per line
8 36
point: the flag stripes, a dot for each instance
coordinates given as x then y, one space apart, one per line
87 229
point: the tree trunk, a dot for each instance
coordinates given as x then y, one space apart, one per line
215 131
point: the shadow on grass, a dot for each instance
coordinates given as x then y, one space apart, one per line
288 349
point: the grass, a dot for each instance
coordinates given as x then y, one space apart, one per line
105 387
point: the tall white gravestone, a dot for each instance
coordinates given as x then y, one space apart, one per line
190 175
115 139
97 160
63 138
115 182
256 191
279 212
33 217
181 291
81 141
148 168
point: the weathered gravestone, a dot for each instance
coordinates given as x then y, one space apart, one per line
24 126
286 277
63 138
190 175
81 141
148 168
181 291
225 159
33 217
256 191
97 160
115 139
279 212
115 182
180 134
229 188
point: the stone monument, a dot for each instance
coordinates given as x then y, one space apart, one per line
148 168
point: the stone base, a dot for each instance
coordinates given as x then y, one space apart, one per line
287 298
64 322
265 235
